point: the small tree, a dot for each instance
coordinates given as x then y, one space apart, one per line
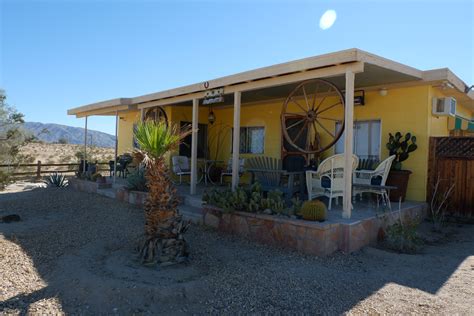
12 137
164 227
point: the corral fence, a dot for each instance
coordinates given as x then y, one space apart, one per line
451 160
37 170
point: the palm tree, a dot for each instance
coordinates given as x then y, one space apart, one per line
164 228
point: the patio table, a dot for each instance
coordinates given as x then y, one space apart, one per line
376 188
208 163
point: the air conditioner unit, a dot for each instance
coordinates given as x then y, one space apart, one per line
444 106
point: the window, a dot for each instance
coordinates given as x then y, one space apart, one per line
252 140
366 140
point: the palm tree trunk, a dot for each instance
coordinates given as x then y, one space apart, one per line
164 227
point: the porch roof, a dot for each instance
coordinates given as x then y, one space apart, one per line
377 72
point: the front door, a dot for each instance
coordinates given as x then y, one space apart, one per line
185 146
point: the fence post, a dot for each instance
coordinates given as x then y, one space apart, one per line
38 170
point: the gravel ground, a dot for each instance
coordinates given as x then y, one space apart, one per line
74 253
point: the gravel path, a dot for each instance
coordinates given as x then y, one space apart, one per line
73 253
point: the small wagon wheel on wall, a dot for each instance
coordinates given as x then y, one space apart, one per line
312 117
156 114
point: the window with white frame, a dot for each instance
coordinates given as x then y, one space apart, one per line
366 140
252 140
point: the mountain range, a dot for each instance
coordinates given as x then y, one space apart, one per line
53 133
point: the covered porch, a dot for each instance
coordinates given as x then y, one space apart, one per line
264 112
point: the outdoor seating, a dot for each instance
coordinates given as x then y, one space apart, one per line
374 180
181 167
269 173
122 166
328 180
228 171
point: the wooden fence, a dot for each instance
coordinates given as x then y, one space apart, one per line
451 159
38 169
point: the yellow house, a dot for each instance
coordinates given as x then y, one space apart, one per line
349 92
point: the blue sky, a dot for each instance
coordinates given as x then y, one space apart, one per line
57 55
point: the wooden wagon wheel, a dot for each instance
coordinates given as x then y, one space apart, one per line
309 114
156 114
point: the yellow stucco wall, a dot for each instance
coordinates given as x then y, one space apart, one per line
402 109
125 131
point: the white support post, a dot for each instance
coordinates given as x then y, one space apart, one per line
236 143
194 144
116 145
348 144
85 148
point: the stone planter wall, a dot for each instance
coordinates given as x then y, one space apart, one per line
87 186
132 197
365 232
304 236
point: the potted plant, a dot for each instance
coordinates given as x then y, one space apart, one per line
401 146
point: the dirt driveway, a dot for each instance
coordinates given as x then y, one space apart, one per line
74 253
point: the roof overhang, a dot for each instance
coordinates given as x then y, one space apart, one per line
109 107
371 71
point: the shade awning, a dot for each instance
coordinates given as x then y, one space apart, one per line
460 123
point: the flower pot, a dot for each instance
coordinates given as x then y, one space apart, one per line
399 179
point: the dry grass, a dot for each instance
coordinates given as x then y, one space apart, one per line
63 153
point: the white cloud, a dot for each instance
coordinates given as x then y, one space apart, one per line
327 19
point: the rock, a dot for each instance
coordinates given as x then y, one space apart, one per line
10 218
267 211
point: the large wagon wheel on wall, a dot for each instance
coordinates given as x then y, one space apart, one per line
156 114
312 117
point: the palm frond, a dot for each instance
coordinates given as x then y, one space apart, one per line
155 139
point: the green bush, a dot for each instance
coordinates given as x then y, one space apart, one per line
314 211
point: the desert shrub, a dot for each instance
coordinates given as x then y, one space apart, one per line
62 140
95 176
5 179
403 237
57 180
314 211
439 204
136 181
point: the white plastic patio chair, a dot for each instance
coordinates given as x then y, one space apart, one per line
228 171
328 180
368 177
181 167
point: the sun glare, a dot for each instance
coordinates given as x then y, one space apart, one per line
327 19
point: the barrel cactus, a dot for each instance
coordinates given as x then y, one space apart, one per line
314 211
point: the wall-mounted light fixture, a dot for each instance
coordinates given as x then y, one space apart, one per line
211 117
383 92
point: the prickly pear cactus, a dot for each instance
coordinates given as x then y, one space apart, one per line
401 146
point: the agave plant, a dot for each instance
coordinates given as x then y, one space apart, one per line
57 180
401 146
164 227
